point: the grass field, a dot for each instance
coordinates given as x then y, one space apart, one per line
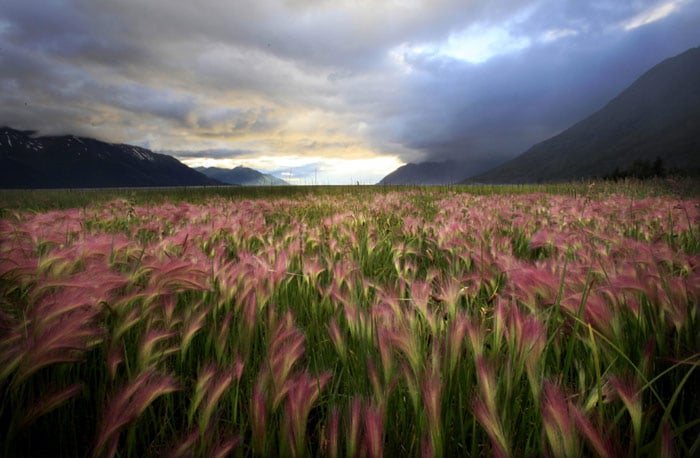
350 321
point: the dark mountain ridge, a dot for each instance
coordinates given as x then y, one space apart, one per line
426 173
658 116
79 162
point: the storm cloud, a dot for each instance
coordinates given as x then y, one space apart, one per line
309 85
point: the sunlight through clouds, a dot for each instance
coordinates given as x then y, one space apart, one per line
475 45
556 34
478 44
653 14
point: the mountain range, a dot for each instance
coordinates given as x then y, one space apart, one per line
28 161
242 176
68 161
657 116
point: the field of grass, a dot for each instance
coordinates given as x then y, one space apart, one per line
350 321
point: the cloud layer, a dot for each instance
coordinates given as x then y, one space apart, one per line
341 91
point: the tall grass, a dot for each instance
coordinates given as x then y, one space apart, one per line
427 321
60 199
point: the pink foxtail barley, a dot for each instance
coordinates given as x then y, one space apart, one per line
286 348
492 425
450 294
115 357
258 417
302 392
455 341
239 363
667 449
500 315
592 436
65 341
476 338
488 386
215 390
420 293
223 334
380 389
596 311
530 339
629 392
352 437
485 409
331 436
558 422
50 402
225 448
431 389
336 337
186 447
128 405
374 417
192 325
150 339
200 390
406 341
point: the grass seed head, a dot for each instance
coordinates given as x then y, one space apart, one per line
128 404
628 390
558 422
494 430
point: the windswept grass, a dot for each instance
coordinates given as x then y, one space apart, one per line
427 321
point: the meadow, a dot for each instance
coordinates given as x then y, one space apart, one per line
495 321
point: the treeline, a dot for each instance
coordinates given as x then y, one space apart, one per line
642 170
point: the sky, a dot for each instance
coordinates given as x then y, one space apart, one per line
327 91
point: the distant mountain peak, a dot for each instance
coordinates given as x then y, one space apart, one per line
241 176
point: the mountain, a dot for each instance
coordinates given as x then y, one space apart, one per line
78 162
426 173
242 176
658 116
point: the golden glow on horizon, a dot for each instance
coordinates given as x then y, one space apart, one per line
310 170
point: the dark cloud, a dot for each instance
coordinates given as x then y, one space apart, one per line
421 79
500 107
